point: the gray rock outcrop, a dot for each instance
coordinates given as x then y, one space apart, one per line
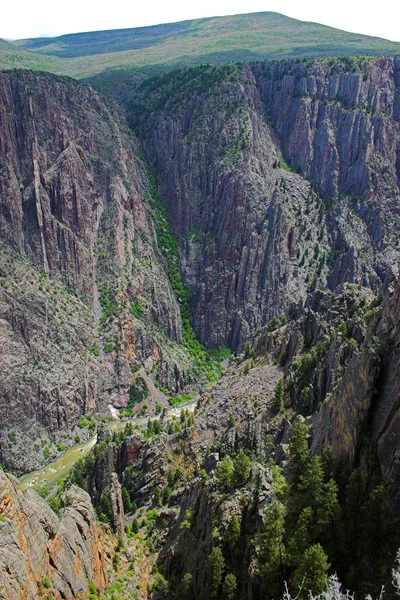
40 551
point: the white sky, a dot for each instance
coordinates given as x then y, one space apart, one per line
34 18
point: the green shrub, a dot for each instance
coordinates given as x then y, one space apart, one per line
108 303
83 423
92 588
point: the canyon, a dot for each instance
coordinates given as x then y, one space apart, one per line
243 213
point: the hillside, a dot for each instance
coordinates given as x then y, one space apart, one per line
256 36
14 57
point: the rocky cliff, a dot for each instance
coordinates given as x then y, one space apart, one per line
84 291
273 196
42 553
347 389
338 124
234 209
362 410
277 177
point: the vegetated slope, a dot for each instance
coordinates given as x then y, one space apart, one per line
13 57
255 234
245 493
85 296
104 42
256 36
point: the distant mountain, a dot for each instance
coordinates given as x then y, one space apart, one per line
256 36
14 57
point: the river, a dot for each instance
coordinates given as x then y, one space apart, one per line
52 472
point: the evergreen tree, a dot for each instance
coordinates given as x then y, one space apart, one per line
157 495
311 574
327 461
128 430
232 533
161 585
302 536
135 526
279 395
311 484
355 495
241 468
126 500
229 587
272 551
371 558
248 351
185 588
329 519
216 564
374 529
299 452
224 474
150 428
166 494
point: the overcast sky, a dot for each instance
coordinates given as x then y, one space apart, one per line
34 18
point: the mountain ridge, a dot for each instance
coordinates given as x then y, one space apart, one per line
245 37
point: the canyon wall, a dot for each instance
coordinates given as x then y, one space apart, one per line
79 255
278 178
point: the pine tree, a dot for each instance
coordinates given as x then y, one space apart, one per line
135 526
126 500
185 589
311 574
329 519
311 484
224 474
355 495
299 452
216 564
302 537
374 530
241 468
232 533
279 395
229 587
157 495
272 551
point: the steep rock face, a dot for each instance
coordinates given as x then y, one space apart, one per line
40 551
72 190
237 213
386 415
338 123
48 378
243 219
366 399
255 237
84 292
